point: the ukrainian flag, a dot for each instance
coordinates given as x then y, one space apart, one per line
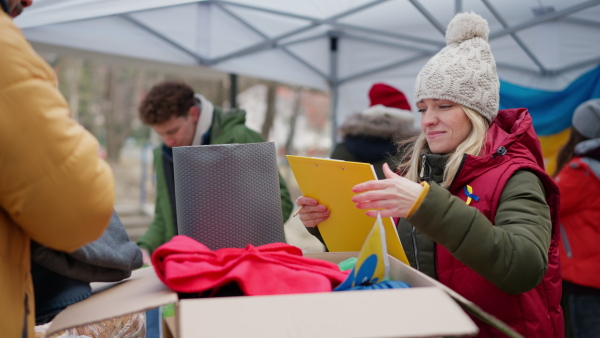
551 112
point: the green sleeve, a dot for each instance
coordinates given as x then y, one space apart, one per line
155 234
162 228
513 254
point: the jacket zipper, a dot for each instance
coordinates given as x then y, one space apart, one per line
422 175
415 250
430 176
565 239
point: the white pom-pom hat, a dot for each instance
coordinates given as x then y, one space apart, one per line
464 71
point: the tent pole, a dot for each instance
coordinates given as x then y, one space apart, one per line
544 18
159 35
520 43
441 28
233 82
266 37
333 84
334 107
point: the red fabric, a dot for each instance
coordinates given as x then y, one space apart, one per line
579 214
185 265
381 93
535 313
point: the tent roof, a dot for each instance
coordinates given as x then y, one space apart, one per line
343 45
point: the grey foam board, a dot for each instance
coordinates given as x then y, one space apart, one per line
227 196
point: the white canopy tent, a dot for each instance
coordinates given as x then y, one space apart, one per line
340 45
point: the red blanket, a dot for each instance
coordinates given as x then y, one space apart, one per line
185 265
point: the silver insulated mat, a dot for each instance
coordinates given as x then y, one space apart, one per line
227 196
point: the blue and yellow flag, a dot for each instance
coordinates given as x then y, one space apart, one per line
551 111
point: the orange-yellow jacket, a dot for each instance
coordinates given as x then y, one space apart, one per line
54 188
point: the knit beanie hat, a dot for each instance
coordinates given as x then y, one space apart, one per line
464 71
586 119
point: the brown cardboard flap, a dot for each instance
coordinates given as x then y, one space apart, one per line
415 312
399 271
169 328
142 291
423 311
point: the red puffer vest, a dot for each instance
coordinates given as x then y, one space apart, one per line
511 146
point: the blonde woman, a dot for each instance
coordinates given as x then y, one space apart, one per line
476 209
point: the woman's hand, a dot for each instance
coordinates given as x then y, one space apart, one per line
312 213
394 196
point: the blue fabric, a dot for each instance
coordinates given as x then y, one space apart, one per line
153 323
54 292
551 111
167 162
205 140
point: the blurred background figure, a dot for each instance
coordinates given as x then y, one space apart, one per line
578 177
369 136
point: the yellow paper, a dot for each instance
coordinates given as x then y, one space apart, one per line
372 265
330 182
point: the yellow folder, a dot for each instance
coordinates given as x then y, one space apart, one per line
330 182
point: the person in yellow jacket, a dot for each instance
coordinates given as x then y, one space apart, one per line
54 188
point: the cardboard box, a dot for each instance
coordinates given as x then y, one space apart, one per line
429 309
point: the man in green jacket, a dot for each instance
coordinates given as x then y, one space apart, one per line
184 118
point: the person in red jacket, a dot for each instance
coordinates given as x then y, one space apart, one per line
578 177
476 209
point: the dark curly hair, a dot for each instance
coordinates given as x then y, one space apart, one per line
165 100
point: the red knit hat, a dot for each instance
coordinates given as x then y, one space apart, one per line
388 96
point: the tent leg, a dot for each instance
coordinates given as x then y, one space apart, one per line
334 104
233 88
334 85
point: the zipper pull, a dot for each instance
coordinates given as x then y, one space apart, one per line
422 167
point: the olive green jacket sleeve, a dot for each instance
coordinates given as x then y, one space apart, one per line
513 254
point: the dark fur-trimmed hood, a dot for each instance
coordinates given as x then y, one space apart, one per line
378 125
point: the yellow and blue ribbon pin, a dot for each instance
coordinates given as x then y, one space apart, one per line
468 190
